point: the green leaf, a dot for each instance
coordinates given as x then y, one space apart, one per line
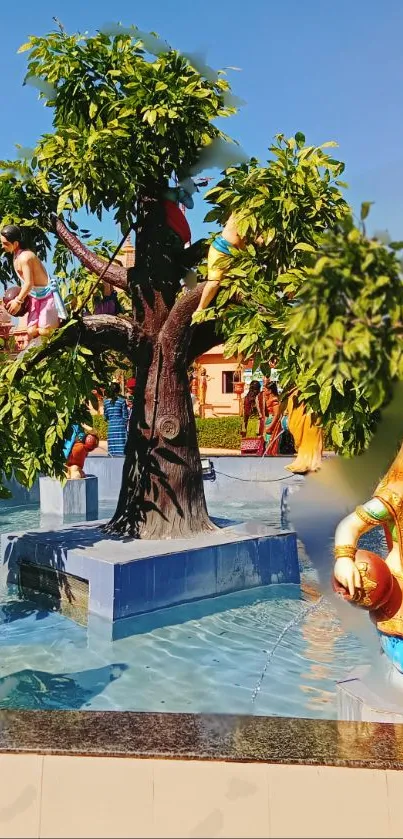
365 208
325 395
300 139
304 246
337 436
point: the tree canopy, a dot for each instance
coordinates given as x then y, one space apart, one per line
131 116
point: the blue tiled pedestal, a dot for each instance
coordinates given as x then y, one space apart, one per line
75 498
129 577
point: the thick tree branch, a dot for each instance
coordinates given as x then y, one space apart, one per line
116 275
204 337
97 332
179 319
178 333
194 254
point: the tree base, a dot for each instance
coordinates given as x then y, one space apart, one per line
156 527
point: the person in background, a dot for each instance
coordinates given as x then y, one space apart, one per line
252 407
117 415
130 388
272 417
109 303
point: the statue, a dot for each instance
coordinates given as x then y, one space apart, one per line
223 245
78 454
366 579
308 437
203 379
38 293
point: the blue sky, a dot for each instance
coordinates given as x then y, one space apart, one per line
331 70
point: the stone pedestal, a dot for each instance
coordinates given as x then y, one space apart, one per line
369 696
75 498
131 577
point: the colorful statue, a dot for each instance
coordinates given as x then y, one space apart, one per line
174 216
222 245
45 306
308 437
108 304
78 454
363 577
202 387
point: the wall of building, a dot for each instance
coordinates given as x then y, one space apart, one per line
218 403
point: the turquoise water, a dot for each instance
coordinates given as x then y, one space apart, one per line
219 656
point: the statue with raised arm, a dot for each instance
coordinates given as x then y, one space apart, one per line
365 578
38 292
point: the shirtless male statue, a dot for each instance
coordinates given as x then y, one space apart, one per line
45 306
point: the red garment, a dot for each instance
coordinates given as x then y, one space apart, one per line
77 455
177 221
80 450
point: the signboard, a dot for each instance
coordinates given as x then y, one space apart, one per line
247 376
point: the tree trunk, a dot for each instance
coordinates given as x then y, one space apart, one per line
162 493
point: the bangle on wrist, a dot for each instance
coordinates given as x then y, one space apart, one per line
344 550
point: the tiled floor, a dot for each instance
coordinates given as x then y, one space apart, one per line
57 796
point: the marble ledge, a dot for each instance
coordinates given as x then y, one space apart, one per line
203 737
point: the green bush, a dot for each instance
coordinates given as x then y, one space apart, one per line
222 432
212 433
100 426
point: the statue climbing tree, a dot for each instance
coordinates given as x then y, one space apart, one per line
132 118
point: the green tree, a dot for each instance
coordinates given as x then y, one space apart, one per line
130 117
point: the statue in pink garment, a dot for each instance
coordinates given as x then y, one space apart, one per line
45 306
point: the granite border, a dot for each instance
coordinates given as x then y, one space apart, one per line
203 737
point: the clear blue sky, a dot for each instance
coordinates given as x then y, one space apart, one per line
332 70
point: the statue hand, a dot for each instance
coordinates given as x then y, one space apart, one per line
347 574
13 307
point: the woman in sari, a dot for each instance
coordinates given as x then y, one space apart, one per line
272 417
252 407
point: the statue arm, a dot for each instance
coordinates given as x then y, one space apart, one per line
347 534
345 545
364 518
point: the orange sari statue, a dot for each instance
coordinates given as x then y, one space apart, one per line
308 437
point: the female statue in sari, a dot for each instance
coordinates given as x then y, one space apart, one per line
365 578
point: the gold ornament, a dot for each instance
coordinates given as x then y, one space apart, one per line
341 551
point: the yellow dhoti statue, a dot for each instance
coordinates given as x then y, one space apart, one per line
308 437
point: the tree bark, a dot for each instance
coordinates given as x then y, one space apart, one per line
116 275
162 494
97 332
